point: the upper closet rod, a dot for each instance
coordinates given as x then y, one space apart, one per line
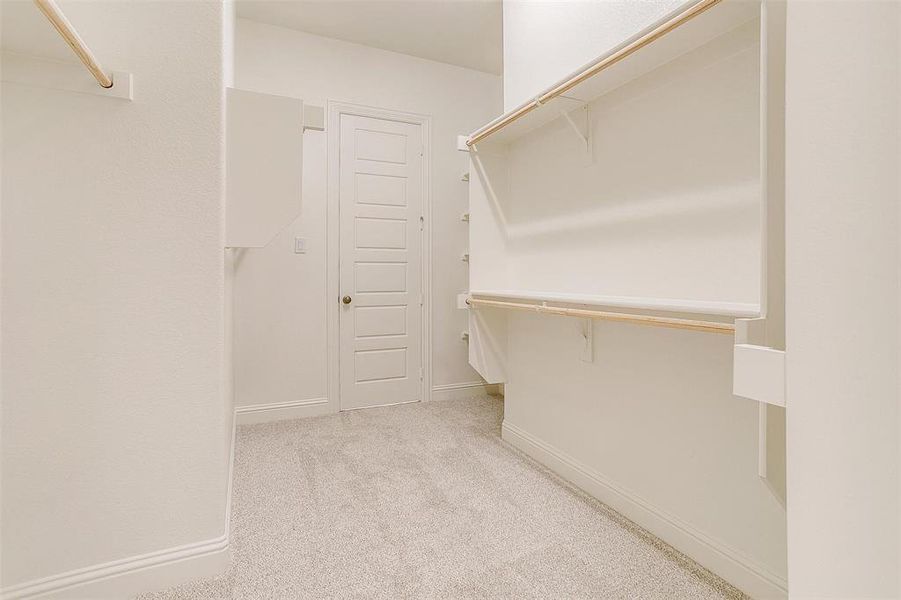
65 29
654 321
593 69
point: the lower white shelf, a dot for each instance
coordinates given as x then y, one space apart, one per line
606 315
698 307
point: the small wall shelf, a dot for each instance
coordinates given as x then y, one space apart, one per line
51 74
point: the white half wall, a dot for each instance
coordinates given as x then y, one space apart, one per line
843 308
281 297
116 427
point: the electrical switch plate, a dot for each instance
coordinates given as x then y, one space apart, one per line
300 245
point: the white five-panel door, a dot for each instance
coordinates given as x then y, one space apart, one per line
380 192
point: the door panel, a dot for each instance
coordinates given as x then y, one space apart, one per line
382 190
373 321
380 233
380 277
380 365
380 204
382 146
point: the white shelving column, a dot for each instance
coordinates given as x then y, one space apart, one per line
487 327
759 355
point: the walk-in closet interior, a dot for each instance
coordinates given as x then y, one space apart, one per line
450 299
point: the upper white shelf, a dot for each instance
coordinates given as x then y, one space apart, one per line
669 305
690 26
264 149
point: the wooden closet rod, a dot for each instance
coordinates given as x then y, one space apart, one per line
65 29
653 321
603 63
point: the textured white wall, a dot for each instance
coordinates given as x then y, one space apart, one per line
668 206
545 41
114 427
281 297
653 414
843 304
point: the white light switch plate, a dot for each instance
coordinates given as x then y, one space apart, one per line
300 245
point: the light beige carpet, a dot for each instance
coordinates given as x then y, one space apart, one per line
425 501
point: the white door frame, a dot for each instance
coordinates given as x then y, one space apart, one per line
333 226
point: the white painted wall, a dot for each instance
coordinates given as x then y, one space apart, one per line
115 431
842 219
545 41
667 207
651 425
281 297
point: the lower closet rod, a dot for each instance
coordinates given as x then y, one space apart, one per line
670 322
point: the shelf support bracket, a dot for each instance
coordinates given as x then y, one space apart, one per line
586 329
584 136
482 174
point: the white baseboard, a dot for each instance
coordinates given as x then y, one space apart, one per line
459 391
280 411
730 564
129 576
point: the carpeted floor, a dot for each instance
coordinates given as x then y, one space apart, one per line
425 501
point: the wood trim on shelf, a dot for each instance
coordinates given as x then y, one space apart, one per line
649 320
668 305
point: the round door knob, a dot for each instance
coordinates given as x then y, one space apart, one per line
346 299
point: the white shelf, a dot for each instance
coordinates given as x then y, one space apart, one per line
264 154
40 72
646 51
694 307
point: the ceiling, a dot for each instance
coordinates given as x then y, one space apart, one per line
467 33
